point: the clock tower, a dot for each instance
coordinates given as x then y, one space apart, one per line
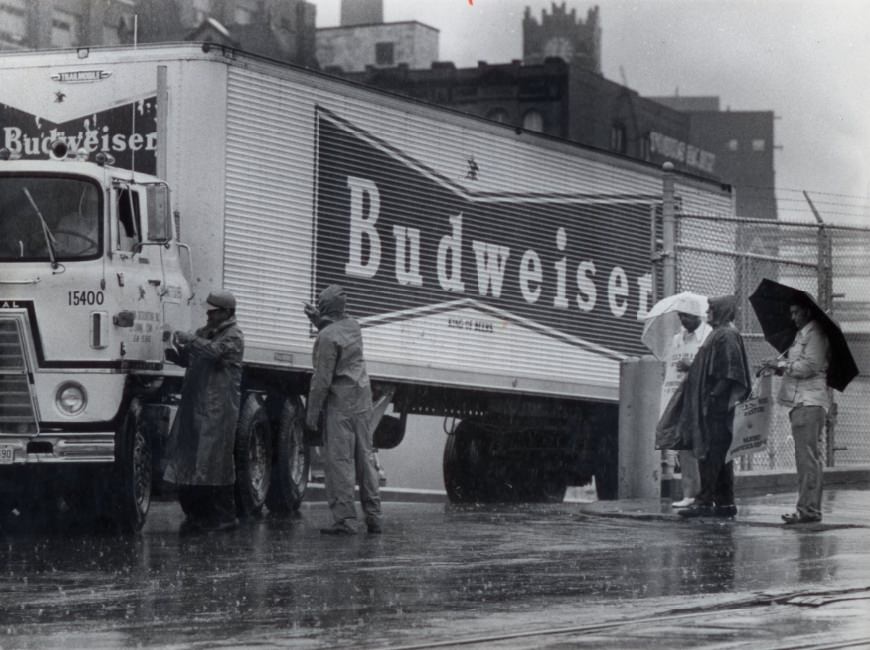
561 34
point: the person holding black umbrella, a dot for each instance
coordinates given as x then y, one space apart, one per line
815 356
804 391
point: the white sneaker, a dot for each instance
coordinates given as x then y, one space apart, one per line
684 503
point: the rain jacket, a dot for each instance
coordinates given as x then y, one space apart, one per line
340 376
804 381
204 431
718 379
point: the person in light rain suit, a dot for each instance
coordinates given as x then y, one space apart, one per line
681 352
340 390
204 432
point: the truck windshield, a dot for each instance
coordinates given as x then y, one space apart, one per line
39 213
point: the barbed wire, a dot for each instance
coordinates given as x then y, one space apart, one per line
839 206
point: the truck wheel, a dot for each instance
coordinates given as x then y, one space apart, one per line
130 496
292 460
465 465
253 456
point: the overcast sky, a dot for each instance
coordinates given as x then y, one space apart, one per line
807 60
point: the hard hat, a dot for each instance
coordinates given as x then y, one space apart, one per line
221 300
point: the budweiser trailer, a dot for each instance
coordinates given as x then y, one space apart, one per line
499 276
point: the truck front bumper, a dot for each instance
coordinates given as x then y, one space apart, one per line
49 447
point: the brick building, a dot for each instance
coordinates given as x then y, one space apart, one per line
280 29
350 48
562 35
743 142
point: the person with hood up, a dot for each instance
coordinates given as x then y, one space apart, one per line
204 432
340 390
718 379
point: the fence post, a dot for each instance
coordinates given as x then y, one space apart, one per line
669 267
825 285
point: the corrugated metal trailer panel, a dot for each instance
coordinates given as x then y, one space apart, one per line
472 256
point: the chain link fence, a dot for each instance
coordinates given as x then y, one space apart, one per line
717 256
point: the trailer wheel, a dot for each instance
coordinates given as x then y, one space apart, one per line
466 455
292 460
130 485
253 456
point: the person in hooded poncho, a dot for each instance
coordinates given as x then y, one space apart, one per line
340 390
203 434
718 379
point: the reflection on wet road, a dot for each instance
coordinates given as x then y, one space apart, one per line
437 573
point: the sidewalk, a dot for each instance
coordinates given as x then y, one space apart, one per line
842 507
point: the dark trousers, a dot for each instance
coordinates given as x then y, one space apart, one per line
208 504
717 479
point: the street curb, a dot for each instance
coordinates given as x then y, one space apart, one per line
761 482
814 527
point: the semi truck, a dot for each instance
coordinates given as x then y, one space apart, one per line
500 276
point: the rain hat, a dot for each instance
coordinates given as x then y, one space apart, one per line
221 300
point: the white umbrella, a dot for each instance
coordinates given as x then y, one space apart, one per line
662 321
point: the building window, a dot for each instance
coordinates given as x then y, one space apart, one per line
645 147
201 10
13 21
498 115
617 138
533 121
243 16
758 145
384 54
732 145
65 28
111 35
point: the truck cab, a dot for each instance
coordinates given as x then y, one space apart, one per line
91 277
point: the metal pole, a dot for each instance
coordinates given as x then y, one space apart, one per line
669 276
826 301
162 123
825 277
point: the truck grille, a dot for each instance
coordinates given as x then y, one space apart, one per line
16 407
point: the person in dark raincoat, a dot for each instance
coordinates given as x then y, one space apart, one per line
340 390
718 379
203 434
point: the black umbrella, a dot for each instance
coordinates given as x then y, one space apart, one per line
771 301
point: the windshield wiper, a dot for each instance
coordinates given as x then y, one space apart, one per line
50 241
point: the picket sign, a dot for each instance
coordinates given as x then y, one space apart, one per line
752 419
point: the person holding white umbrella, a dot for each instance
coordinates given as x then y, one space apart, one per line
674 329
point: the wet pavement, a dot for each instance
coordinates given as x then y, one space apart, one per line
620 574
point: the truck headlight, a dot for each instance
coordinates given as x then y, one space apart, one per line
71 398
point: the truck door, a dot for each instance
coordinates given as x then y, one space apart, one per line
138 276
174 289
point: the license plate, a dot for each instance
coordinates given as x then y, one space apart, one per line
7 454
